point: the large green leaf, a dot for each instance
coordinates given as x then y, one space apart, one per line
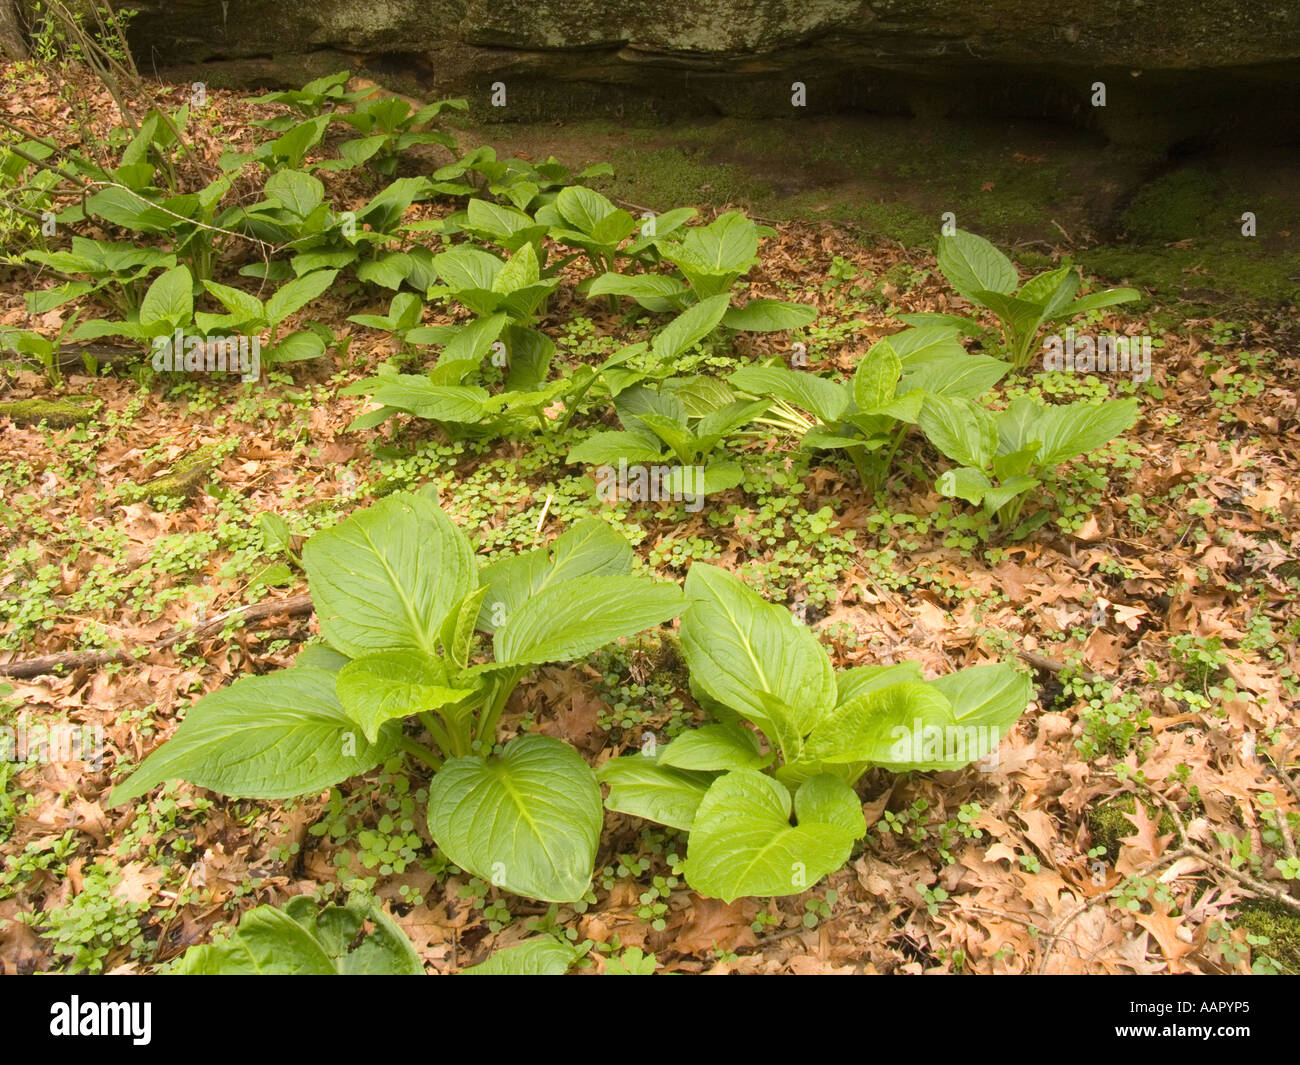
1063 430
269 737
865 729
170 299
1051 290
298 192
521 271
1096 301
243 306
712 748
716 253
640 786
394 684
467 268
538 956
740 649
943 724
961 429
590 549
386 577
850 683
360 938
1022 316
971 264
416 394
527 821
876 377
828 400
768 316
304 940
607 448
499 219
655 292
927 342
692 325
574 617
967 376
295 294
964 483
993 695
742 842
267 943
583 208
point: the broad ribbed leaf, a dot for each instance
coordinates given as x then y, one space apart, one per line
1063 430
539 956
342 933
655 292
170 299
692 325
528 821
521 271
416 394
1097 300
965 376
575 617
850 683
941 724
768 316
876 377
243 306
739 648
467 268
726 246
386 577
298 192
865 728
828 400
713 748
583 208
497 218
301 940
640 786
295 294
589 549
971 263
923 343
269 737
963 483
606 449
993 695
394 684
961 429
267 943
742 842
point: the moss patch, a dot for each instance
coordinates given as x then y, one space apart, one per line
1281 925
57 413
1109 824
186 476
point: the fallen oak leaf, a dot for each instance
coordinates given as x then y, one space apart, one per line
712 924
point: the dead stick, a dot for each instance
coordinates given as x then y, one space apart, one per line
35 667
1051 665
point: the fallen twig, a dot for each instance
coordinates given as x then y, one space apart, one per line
36 667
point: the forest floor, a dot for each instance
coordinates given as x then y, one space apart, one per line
1135 820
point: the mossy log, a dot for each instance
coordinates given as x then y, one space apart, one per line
56 413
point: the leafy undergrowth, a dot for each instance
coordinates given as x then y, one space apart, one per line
1134 816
